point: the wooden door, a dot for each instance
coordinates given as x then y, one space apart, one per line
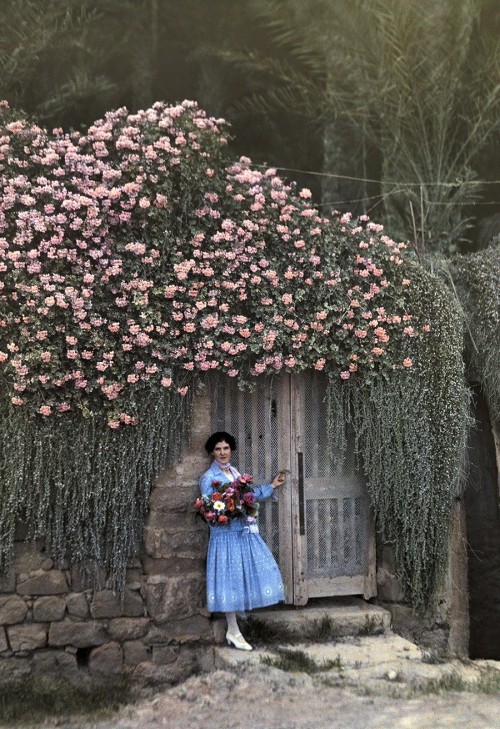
320 528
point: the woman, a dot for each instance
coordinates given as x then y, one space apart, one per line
241 571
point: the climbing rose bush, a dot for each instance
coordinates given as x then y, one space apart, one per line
134 259
134 256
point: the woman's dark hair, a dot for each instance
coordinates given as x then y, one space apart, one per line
218 438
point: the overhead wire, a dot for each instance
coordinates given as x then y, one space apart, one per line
398 187
457 183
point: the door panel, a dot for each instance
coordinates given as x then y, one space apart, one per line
319 529
337 545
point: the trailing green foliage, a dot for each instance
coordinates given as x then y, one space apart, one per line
477 280
83 486
410 436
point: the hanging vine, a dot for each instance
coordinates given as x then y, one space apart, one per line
83 486
477 280
410 442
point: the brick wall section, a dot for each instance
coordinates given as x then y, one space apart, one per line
56 619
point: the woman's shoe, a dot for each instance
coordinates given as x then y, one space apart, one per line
238 641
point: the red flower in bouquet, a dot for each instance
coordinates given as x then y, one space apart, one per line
249 500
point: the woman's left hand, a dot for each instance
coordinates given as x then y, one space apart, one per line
278 480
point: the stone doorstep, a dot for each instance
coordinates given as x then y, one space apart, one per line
370 662
348 616
369 655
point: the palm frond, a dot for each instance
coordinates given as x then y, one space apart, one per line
82 86
28 31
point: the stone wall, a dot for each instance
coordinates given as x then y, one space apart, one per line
57 619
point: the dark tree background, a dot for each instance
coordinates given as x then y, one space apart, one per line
311 85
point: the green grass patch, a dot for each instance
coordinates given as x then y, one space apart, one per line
488 683
324 630
299 662
447 682
372 626
258 632
33 701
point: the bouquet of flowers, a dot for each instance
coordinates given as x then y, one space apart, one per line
234 500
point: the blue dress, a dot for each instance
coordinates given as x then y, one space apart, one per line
242 574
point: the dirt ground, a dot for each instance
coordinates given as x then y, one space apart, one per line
382 682
269 699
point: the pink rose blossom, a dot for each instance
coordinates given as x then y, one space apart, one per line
161 201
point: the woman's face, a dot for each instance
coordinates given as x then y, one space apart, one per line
222 452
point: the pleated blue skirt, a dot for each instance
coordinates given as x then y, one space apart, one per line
242 574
